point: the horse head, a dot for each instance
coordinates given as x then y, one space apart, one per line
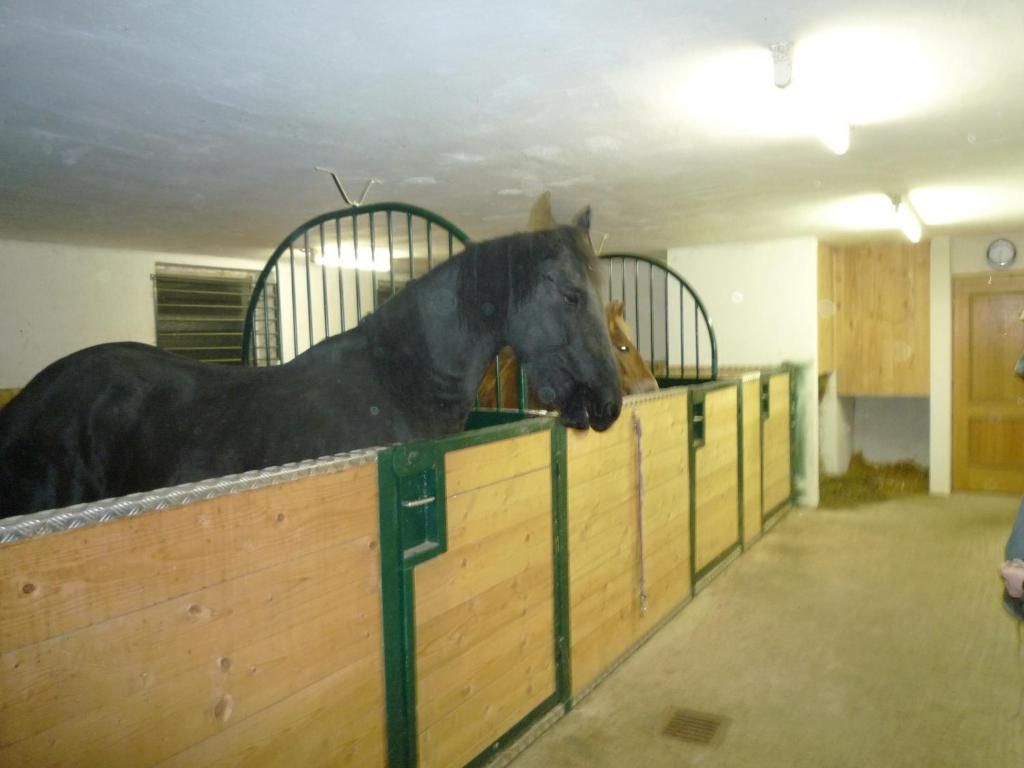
636 376
558 328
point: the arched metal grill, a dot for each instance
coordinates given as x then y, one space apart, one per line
336 268
671 327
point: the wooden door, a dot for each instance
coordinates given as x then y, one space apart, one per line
988 398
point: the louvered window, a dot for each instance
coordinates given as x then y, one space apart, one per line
200 313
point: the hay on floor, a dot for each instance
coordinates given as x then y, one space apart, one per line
865 482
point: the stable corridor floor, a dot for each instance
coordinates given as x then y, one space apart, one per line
872 636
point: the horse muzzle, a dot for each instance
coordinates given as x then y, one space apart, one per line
584 409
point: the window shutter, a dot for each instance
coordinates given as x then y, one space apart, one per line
200 313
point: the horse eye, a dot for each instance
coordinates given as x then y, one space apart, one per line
572 299
623 348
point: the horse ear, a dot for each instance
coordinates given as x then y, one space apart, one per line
616 309
582 220
541 217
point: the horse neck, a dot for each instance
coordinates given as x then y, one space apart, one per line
431 343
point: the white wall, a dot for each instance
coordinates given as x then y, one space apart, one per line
940 421
55 299
891 429
763 301
967 254
836 419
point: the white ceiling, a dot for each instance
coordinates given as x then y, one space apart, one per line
191 126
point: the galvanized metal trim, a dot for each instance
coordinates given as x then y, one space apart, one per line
653 397
92 513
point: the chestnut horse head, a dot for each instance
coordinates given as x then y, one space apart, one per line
637 378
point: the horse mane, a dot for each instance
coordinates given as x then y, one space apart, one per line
495 275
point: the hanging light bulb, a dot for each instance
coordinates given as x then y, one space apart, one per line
907 219
782 56
836 137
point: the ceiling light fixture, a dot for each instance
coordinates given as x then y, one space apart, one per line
907 219
782 56
363 260
836 137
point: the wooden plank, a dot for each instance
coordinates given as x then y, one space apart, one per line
752 510
777 477
317 726
465 676
717 479
478 514
110 665
177 673
603 542
454 632
485 609
460 575
882 322
469 729
481 465
54 584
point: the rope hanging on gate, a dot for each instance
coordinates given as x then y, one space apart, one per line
638 433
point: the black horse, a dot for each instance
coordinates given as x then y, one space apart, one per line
119 418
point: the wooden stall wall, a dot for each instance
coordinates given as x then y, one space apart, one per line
777 432
753 510
484 610
244 630
604 546
716 530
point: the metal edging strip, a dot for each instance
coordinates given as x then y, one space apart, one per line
91 513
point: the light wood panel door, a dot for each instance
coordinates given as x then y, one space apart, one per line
988 398
882 331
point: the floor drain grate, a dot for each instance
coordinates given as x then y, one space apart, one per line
696 727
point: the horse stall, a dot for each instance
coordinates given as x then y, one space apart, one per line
229 622
427 603
394 607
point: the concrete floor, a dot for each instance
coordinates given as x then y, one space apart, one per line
865 637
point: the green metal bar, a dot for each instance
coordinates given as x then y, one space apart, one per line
563 623
393 606
355 251
277 316
430 250
391 254
323 280
295 315
342 324
266 326
412 255
692 478
309 289
373 256
740 462
523 388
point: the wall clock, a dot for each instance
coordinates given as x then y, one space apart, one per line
1001 253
